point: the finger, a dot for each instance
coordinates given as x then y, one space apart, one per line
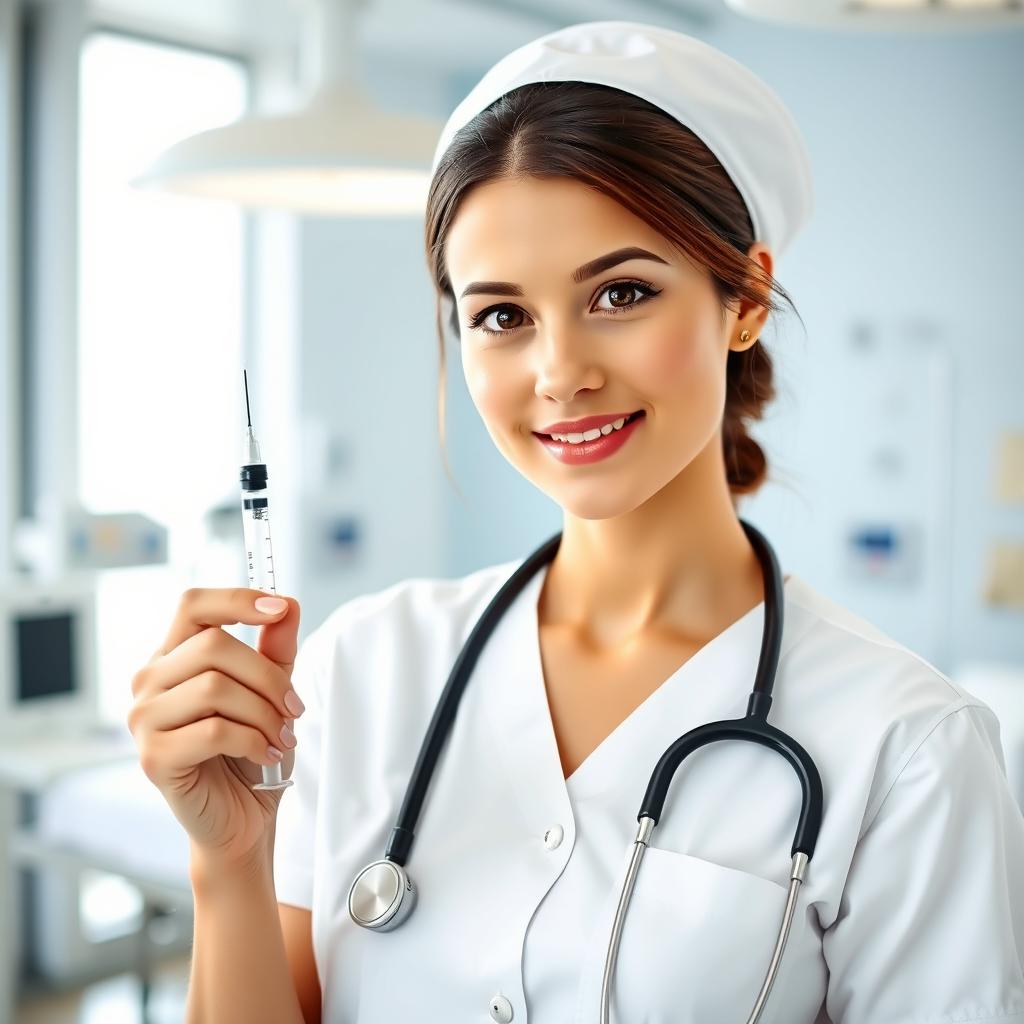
214 649
166 755
208 694
202 607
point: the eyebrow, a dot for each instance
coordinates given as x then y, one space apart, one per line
579 275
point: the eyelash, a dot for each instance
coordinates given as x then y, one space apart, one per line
648 290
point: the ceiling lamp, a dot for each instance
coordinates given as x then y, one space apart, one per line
888 14
339 154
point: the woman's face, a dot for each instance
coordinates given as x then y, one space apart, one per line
645 335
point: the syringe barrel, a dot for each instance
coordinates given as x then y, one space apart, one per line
256 528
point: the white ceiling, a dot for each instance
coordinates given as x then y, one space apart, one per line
245 26
449 34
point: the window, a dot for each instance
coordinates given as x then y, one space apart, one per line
161 307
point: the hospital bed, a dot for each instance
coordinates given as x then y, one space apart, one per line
68 807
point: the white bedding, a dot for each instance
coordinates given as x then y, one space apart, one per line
114 813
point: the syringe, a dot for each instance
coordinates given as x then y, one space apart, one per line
256 526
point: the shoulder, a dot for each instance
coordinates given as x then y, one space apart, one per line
875 702
417 605
400 630
844 650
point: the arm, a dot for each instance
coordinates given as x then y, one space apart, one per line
931 923
240 967
297 926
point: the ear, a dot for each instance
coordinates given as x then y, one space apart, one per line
752 316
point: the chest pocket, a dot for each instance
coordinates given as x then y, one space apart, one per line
695 946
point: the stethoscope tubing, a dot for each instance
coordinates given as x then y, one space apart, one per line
382 895
639 847
754 727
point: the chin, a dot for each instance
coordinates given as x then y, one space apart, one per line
606 502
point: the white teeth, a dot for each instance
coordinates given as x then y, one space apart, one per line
590 435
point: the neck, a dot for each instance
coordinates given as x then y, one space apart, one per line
681 562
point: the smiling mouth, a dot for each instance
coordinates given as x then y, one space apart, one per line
625 423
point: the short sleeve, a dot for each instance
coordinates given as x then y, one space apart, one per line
931 922
297 810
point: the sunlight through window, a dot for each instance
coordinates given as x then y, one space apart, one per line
161 300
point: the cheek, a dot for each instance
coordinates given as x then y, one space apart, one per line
675 362
490 390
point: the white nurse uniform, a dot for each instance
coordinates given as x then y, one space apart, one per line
913 905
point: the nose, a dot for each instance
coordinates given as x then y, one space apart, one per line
565 364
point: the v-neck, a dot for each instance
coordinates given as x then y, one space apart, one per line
712 684
744 632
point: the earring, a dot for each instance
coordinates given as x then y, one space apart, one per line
744 336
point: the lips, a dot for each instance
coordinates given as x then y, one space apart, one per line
587 423
602 447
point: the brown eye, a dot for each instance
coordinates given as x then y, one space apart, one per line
625 295
508 317
505 320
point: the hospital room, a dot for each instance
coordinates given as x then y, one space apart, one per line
394 621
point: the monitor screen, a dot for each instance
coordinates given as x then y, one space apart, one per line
45 656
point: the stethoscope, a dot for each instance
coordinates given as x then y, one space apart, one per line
382 895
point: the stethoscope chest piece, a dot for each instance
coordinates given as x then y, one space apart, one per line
382 896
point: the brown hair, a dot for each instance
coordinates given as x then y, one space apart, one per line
659 170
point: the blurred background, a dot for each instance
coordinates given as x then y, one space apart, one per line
190 188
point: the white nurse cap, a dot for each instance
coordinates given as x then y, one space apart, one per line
742 121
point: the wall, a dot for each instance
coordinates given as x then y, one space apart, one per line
891 395
364 397
909 267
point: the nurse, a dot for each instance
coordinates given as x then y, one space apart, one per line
606 215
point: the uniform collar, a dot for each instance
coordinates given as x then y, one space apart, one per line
713 684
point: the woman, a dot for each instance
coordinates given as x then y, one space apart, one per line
596 260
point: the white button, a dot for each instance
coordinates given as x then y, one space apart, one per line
501 1009
553 837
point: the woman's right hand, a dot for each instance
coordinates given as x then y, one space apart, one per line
207 706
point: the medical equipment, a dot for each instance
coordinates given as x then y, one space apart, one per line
48 666
383 895
260 557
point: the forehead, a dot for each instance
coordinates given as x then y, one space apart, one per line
518 229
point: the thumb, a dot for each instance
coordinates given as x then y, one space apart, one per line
278 639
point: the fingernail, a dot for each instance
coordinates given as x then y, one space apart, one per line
270 605
287 736
293 704
274 754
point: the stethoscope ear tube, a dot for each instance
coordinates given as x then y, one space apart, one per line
753 728
639 848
